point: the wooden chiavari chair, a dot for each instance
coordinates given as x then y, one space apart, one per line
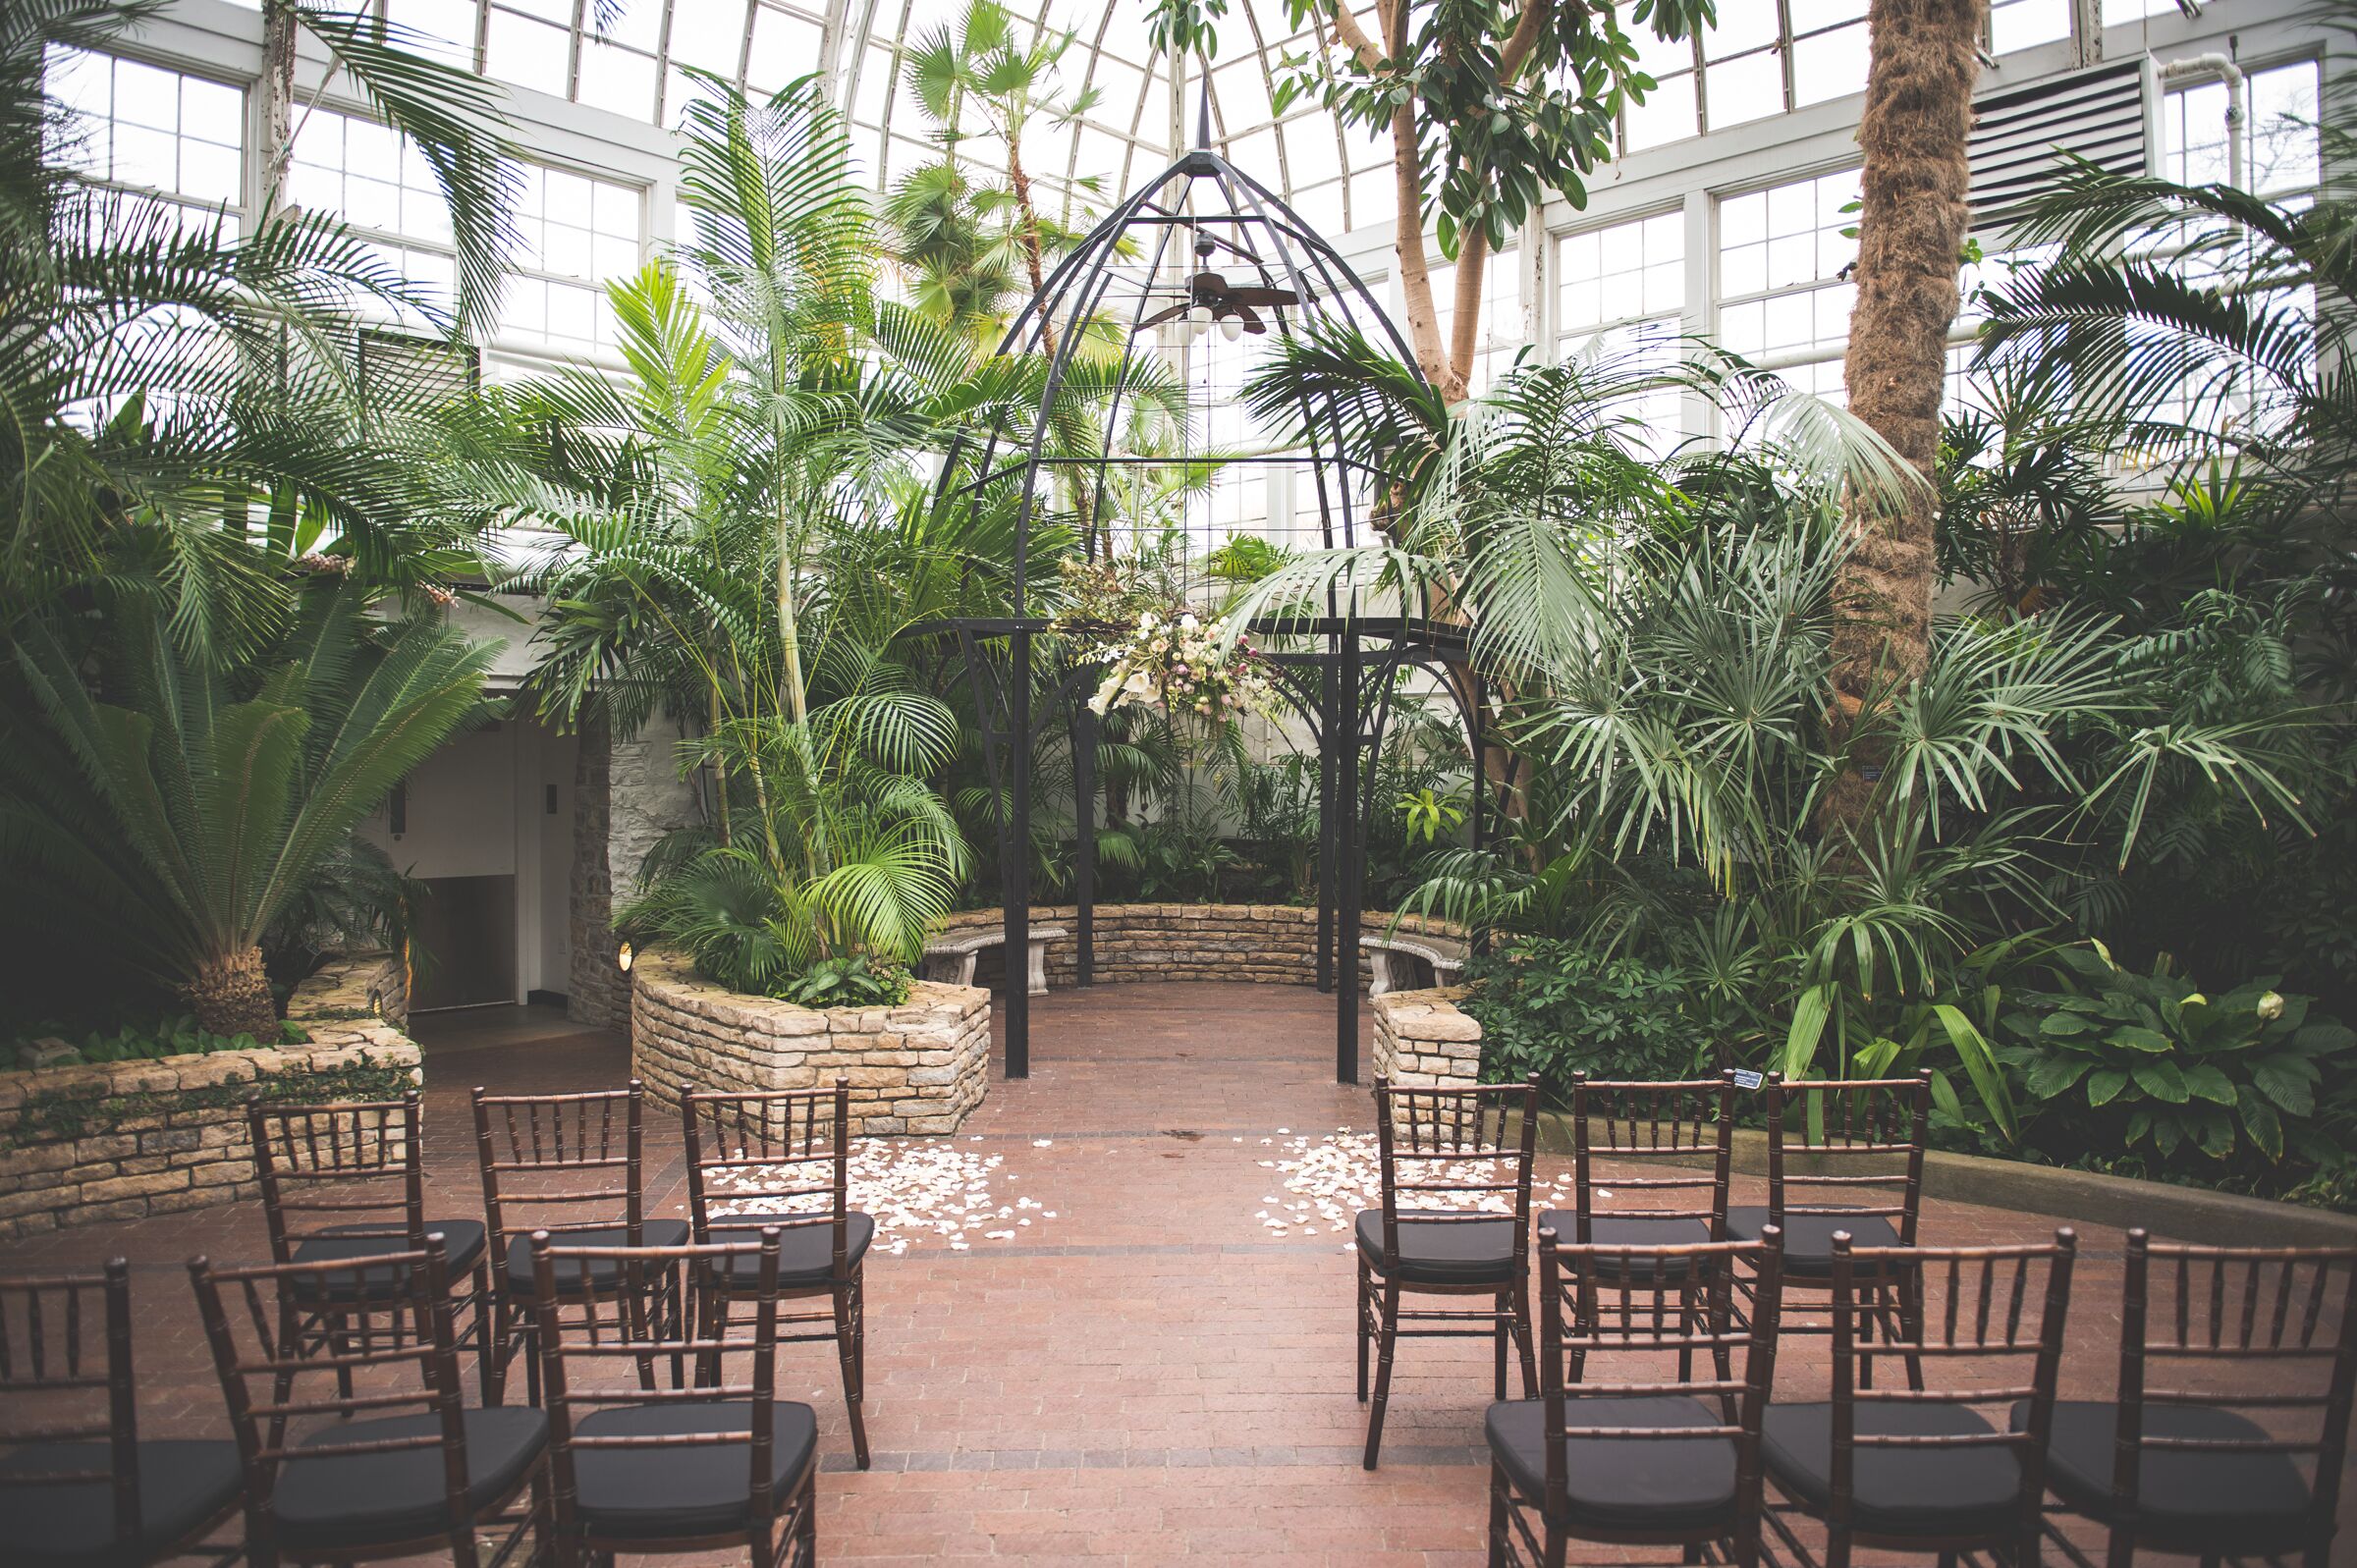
708 1467
392 1463
2202 1453
1925 1469
778 1157
1671 1124
1846 1155
366 1160
1444 1146
1632 1459
564 1161
79 1487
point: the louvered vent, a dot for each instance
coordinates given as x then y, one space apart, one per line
2098 113
398 368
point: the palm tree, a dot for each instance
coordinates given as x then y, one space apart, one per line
1914 133
982 66
172 813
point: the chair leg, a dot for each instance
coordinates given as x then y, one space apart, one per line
1836 1548
1388 1341
2120 1548
1504 1321
1910 1322
1364 1307
492 1385
846 1350
1498 1516
1521 1330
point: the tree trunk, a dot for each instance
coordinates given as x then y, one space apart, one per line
1913 132
278 97
232 996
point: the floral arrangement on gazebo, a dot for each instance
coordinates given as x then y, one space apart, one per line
1182 665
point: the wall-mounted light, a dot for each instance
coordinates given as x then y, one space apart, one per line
623 957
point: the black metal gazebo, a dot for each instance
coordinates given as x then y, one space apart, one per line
1201 256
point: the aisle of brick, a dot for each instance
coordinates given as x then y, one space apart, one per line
1150 1377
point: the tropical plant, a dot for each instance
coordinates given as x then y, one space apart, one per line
181 414
1555 1009
854 982
172 811
970 241
2115 1063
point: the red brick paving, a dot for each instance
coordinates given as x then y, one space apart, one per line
1149 1379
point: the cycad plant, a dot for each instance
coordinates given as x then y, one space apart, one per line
171 813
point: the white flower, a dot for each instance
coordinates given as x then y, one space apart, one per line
1189 622
2271 1006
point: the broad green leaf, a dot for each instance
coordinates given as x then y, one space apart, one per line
2104 1085
2161 1080
2208 1082
2135 1037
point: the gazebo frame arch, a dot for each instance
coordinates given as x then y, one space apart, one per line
1341 668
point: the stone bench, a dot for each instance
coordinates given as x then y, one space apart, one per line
1389 952
950 959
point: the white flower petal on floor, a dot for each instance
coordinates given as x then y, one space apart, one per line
913 1189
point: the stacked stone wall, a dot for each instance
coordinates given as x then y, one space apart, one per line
920 1068
1422 1040
1268 943
125 1140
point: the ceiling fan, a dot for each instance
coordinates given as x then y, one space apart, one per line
1211 299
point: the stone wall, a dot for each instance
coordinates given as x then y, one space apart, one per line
597 992
123 1140
916 1068
1271 944
1421 1039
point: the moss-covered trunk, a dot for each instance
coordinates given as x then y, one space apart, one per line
1913 133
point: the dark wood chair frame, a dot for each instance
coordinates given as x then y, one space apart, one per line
773 1130
63 1367
1880 1121
2264 1333
1606 1301
1985 1318
1678 1121
1428 1129
415 1332
786 1537
524 1157
359 1143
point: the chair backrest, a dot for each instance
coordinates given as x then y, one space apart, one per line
65 1350
400 1358
1860 1148
580 1331
1672 1120
1640 1305
2270 1332
563 1161
2000 1309
782 1153
1457 1156
358 1164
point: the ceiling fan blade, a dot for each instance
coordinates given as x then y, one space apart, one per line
1161 316
1252 320
1264 296
1211 286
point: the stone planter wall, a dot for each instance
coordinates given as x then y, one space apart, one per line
920 1068
1421 1039
123 1140
1270 944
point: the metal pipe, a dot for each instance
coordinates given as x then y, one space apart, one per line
2225 69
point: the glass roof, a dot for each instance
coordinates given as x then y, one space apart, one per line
1765 57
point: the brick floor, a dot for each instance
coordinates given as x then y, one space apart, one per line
1150 1379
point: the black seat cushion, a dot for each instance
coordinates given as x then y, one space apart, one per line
1898 1492
704 1489
806 1253
181 1485
1809 1238
2249 1502
1625 1483
604 1272
1632 1230
1435 1250
462 1243
356 1499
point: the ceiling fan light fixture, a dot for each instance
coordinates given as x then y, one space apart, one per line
1232 327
